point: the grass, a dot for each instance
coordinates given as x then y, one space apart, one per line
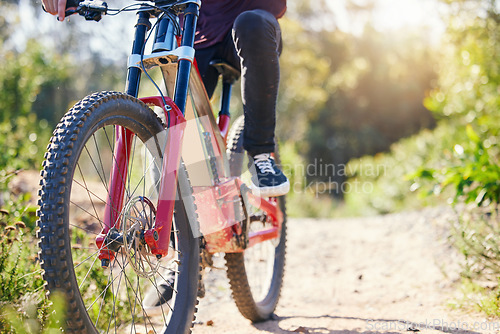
476 297
24 307
21 284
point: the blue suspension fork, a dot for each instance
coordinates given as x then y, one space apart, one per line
124 137
181 86
134 73
171 162
184 65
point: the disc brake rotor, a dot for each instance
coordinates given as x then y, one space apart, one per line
139 216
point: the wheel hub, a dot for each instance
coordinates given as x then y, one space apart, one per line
138 226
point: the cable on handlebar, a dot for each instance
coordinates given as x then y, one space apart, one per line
93 10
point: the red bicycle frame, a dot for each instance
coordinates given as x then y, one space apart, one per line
218 202
213 206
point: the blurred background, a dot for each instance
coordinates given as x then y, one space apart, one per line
385 105
375 94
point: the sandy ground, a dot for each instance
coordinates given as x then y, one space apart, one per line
385 274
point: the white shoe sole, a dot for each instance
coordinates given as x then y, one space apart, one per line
275 191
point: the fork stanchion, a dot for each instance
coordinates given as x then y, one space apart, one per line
184 69
134 73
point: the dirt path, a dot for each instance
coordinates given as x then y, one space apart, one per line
387 274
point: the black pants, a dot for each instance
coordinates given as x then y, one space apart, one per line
253 45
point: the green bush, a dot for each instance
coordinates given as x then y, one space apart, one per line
475 235
389 180
33 321
23 137
473 172
461 155
469 98
21 284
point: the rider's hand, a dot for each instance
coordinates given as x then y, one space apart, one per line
55 7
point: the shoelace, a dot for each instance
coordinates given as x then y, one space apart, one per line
263 162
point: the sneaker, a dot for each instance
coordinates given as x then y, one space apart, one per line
157 299
268 180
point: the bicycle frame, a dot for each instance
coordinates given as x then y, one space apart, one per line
225 198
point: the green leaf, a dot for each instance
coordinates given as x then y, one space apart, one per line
471 134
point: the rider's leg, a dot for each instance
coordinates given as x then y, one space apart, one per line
257 40
253 46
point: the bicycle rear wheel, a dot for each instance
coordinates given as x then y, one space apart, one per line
256 275
75 192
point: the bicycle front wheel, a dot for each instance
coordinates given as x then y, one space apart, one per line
73 199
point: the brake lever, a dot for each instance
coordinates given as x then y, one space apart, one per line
91 10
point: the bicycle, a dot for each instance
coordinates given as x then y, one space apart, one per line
129 196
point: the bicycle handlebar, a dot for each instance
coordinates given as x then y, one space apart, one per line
93 10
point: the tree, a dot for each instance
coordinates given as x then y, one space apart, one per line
344 96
